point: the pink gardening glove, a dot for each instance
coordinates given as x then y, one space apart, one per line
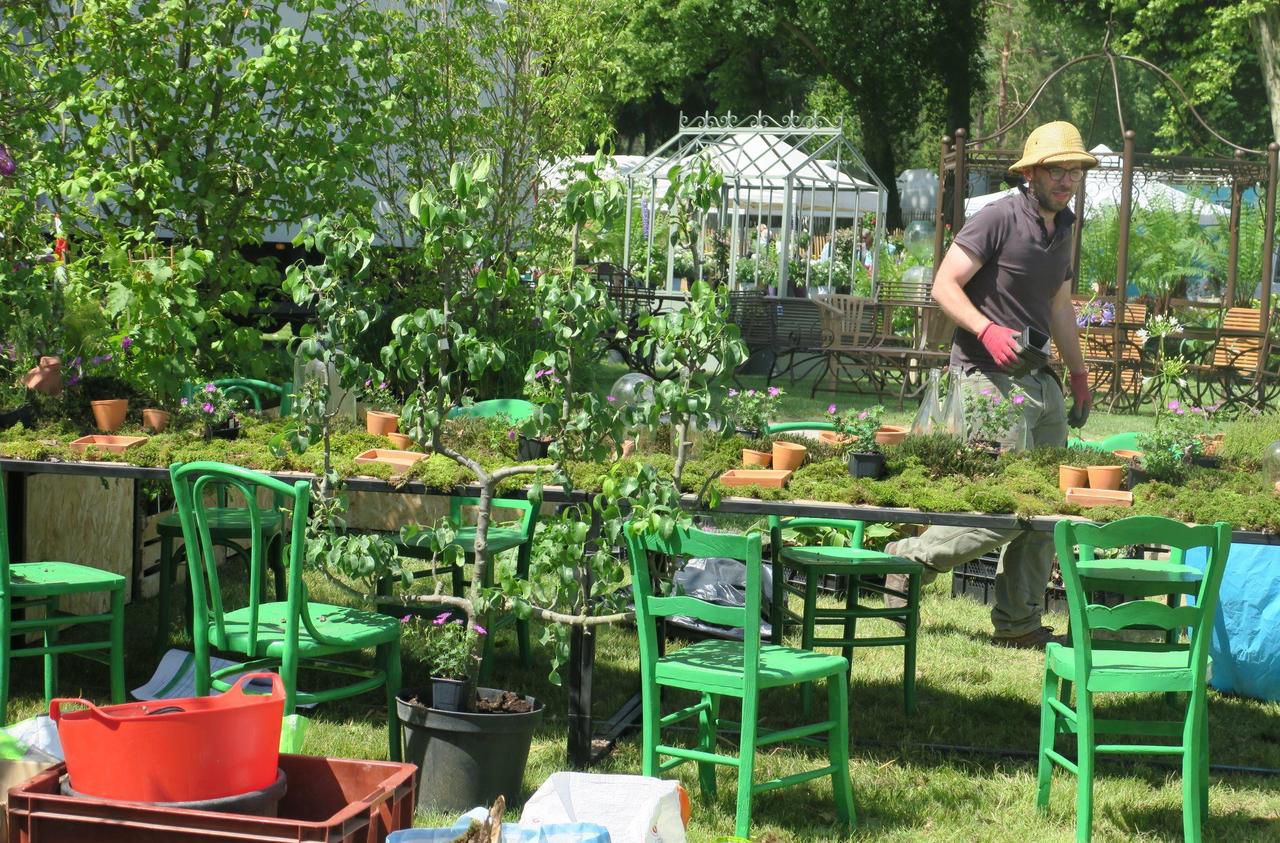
1001 343
1082 400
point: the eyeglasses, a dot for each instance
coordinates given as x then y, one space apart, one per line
1063 174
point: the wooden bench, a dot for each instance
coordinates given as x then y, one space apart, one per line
786 331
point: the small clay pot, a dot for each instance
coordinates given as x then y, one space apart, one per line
380 423
834 439
109 413
402 441
891 434
756 459
1128 454
1070 477
154 420
1106 476
788 456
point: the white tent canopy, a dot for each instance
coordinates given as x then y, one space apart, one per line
1103 189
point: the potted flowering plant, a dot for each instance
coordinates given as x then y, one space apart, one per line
214 410
450 648
1175 441
382 413
856 434
748 412
991 416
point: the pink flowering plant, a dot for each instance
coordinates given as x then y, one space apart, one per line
1175 439
750 411
450 648
857 428
990 416
377 395
209 406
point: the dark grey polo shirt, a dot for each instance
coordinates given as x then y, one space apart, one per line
1022 270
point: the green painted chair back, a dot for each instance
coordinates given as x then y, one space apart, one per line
516 409
652 605
252 390
528 513
191 483
1196 619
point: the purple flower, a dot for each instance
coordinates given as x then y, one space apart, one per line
611 398
733 393
406 619
774 392
7 165
1018 399
1180 412
184 402
862 415
751 393
831 409
210 388
99 359
73 380
1197 411
207 407
984 391
478 629
1174 404
368 381
511 434
126 343
441 620
382 385
1108 313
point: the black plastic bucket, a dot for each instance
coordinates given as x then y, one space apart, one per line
255 803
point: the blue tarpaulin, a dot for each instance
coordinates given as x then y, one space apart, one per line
1246 634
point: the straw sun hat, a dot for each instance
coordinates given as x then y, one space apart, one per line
1054 143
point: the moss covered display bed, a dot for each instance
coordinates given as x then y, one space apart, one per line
929 479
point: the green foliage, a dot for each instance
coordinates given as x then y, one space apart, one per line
448 645
990 416
858 427
939 454
1246 438
1168 449
750 410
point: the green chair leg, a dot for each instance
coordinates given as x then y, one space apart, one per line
909 648
809 622
50 657
1048 728
838 750
391 670
707 719
117 646
746 766
167 576
1084 767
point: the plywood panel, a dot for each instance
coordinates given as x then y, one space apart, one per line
87 520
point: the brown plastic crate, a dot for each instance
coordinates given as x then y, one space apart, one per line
330 800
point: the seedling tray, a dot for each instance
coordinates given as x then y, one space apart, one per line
105 442
400 460
1099 497
771 478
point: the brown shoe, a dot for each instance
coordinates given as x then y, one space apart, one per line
896 582
1036 639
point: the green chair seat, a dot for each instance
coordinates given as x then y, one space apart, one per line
516 409
36 579
856 563
1125 670
720 665
739 669
351 628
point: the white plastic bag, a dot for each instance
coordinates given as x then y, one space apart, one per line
511 832
635 809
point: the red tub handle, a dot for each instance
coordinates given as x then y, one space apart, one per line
55 709
277 684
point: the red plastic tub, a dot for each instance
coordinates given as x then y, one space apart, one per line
181 750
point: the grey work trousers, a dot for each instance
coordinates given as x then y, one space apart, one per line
1027 558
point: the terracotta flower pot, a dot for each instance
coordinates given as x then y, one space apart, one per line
1128 454
1070 477
1210 442
760 459
1106 476
154 420
380 423
109 413
834 439
45 376
401 440
788 456
891 434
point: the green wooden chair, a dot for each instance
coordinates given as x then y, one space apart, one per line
516 409
865 570
741 669
290 634
34 585
1125 669
518 536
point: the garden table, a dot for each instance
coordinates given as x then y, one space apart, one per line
578 681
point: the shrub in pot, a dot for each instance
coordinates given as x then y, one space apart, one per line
857 434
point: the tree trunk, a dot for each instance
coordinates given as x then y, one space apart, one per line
878 140
1265 27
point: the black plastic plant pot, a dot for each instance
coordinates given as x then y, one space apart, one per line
466 758
25 414
866 465
531 449
229 430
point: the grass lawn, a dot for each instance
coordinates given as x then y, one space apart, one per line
960 770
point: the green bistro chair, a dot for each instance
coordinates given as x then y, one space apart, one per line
518 536
865 569
742 669
289 634
34 585
1129 669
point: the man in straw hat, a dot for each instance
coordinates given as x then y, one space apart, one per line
1004 281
